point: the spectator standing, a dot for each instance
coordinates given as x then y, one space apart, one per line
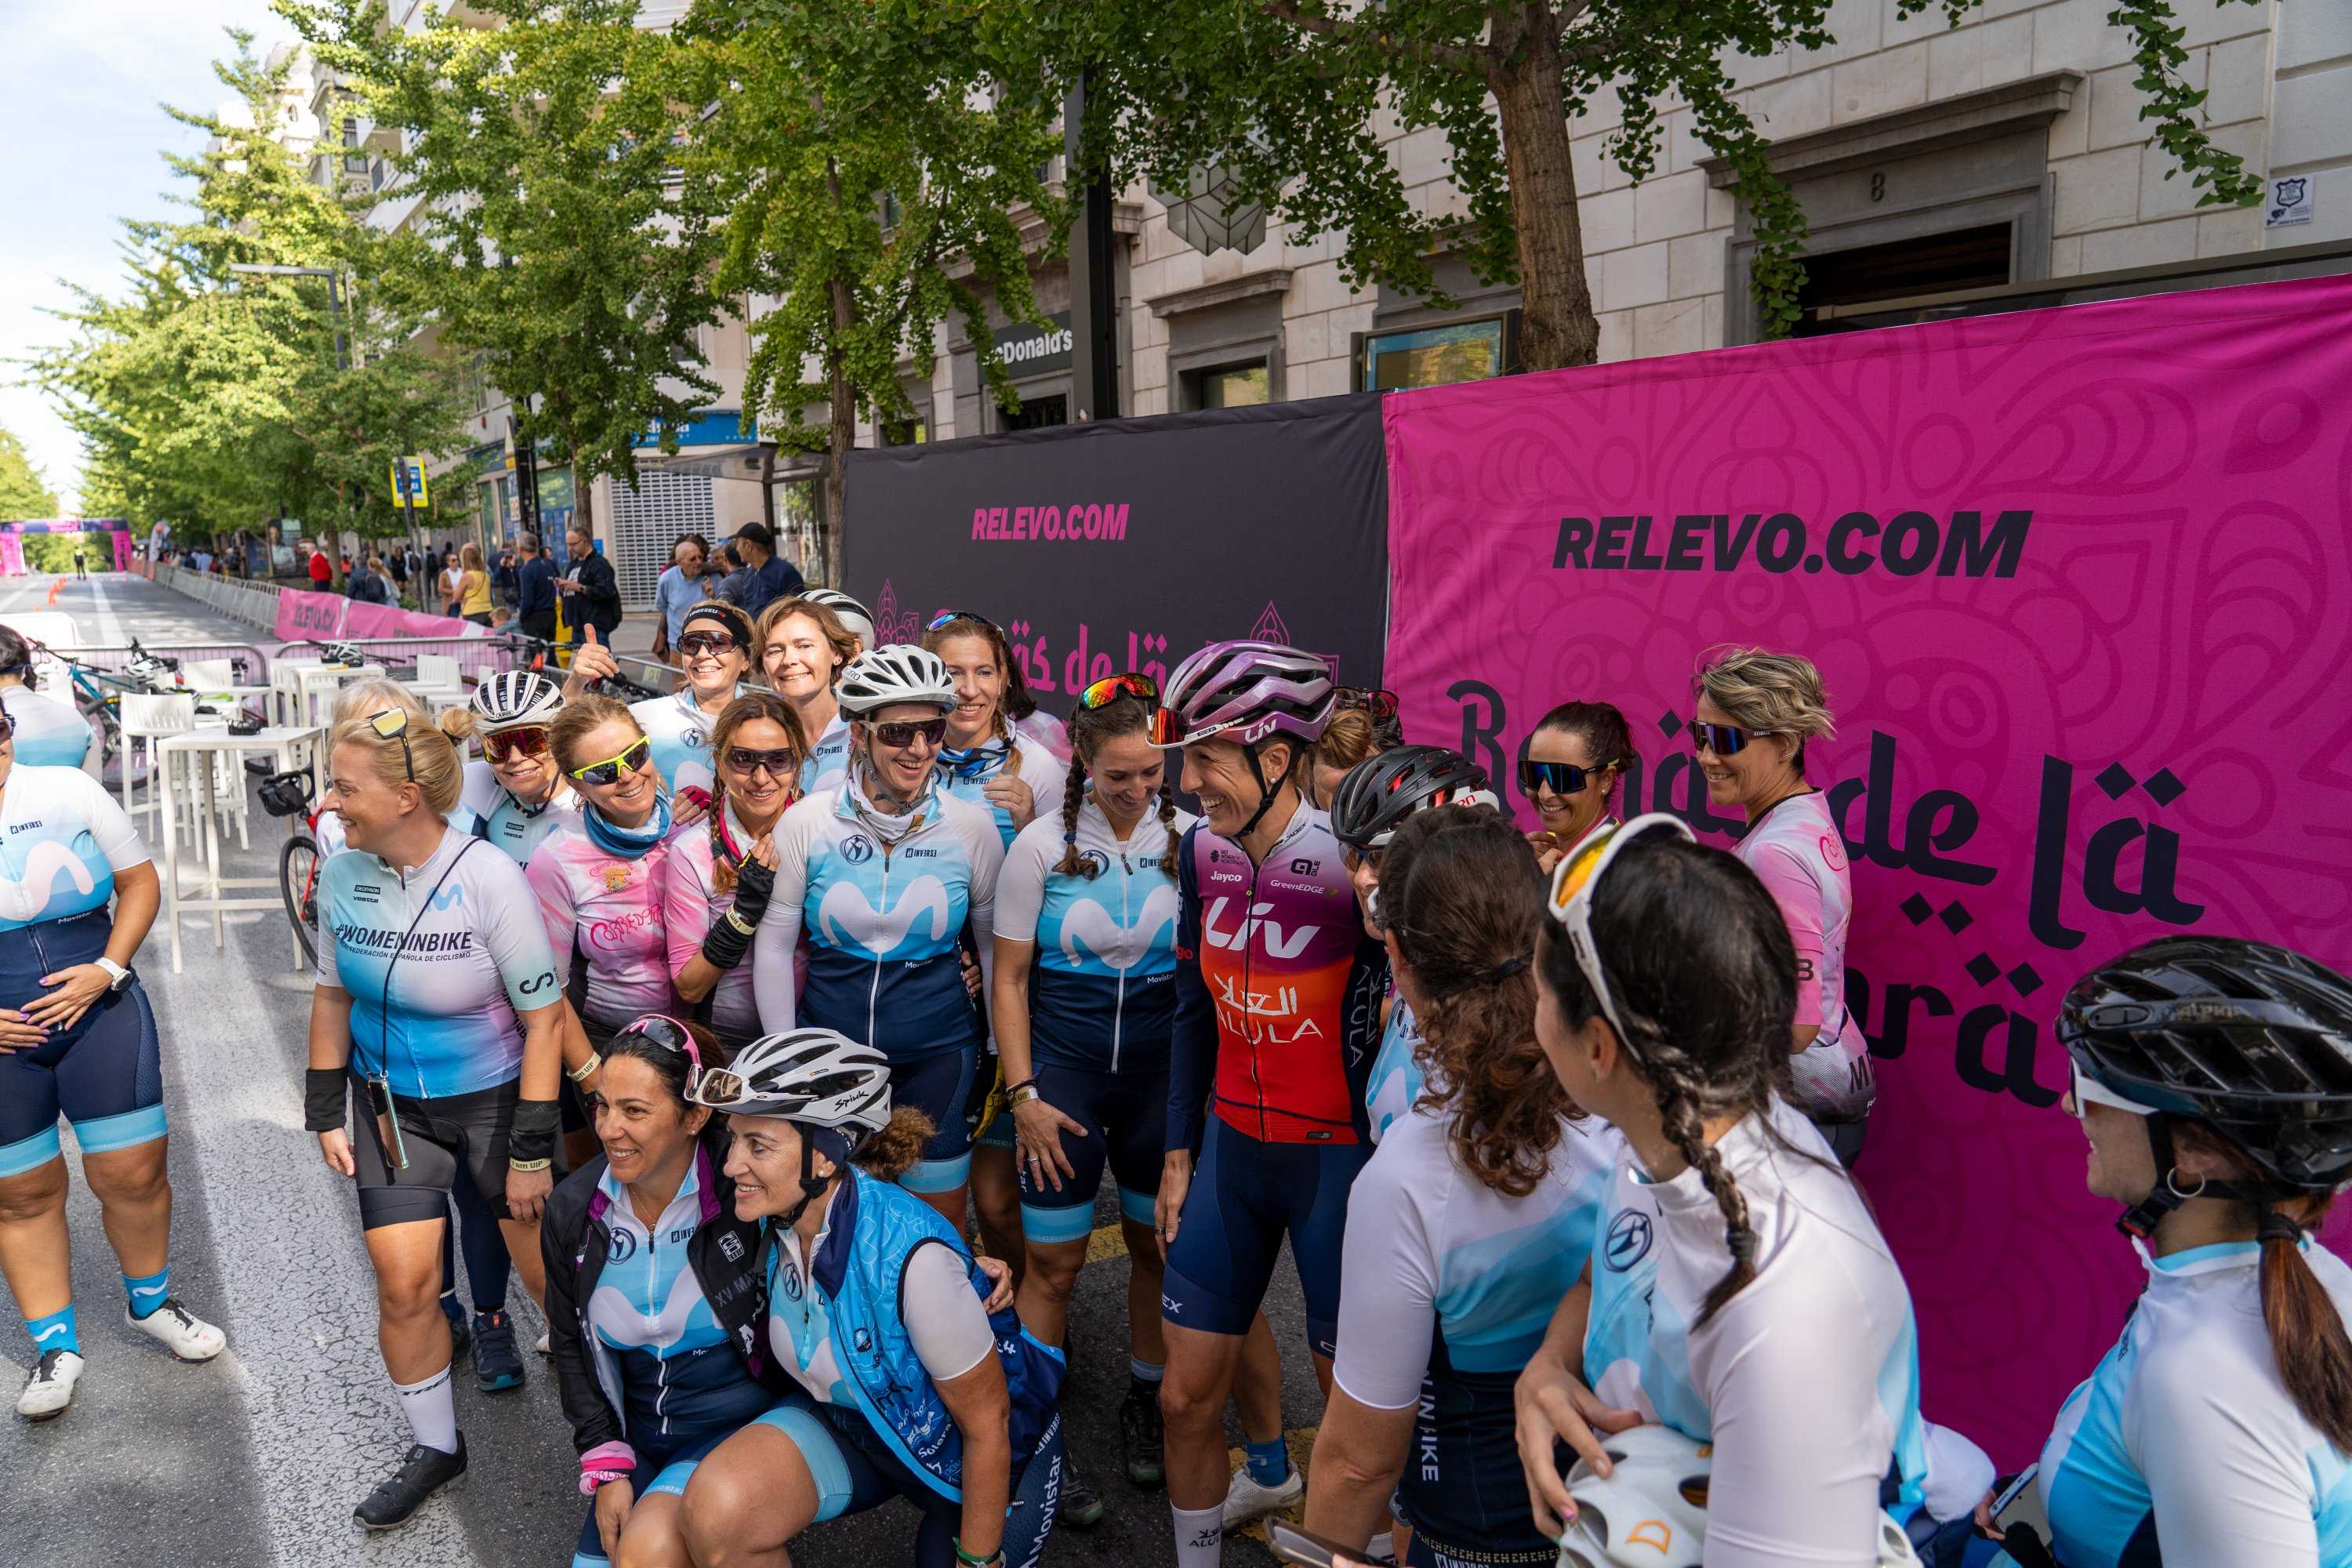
772 577
396 567
453 584
504 579
535 593
679 591
592 593
321 573
474 598
366 584
734 578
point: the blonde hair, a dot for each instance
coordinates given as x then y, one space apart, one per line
1347 739
839 638
469 556
577 720
1771 693
436 751
374 693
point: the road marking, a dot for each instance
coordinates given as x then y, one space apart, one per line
109 628
1107 1241
1300 1441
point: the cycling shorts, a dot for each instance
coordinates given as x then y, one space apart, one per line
1465 1494
663 1469
937 1085
1425 1553
854 1470
1126 1119
105 1075
439 1135
1246 1197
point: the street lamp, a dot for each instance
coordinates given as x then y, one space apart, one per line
334 294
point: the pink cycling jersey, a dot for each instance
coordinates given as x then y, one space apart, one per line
688 906
608 910
1797 852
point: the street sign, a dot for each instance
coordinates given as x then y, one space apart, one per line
408 486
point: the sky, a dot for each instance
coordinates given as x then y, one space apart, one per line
81 141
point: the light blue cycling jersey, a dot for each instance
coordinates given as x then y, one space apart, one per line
49 733
883 922
1814 1363
1102 992
65 837
2184 1446
489 812
1032 763
828 759
680 732
438 963
1397 1077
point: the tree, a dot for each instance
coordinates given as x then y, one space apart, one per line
218 399
1287 94
550 243
22 493
880 163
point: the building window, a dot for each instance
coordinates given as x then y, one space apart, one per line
1038 413
1436 356
1934 264
909 432
1232 387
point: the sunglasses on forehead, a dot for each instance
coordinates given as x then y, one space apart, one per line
1379 703
610 770
946 617
1111 688
392 724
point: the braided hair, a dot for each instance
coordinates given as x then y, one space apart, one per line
1125 714
757 703
1703 973
1016 686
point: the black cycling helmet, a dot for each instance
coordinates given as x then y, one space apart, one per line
2251 1039
1378 793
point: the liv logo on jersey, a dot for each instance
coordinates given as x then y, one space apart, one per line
1628 1240
1277 942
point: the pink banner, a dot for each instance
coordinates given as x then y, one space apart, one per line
2077 581
324 616
318 617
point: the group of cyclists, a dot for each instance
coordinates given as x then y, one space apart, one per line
728 1020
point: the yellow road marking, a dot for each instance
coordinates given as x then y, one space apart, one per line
1107 1241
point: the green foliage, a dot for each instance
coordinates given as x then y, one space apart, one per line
2173 105
215 398
22 493
55 552
552 241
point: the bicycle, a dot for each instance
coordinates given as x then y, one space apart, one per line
289 795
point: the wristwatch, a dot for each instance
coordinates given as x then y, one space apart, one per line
118 976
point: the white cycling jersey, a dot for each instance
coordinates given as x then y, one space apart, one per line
680 732
2184 1449
1396 1077
489 812
828 758
1798 853
1807 1382
62 839
48 733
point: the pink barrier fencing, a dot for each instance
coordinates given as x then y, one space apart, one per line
2080 587
326 616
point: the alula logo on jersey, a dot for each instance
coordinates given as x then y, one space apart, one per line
1630 1235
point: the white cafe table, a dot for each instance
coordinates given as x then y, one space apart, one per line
296 689
292 746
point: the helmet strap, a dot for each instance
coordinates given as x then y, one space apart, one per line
812 1184
1265 791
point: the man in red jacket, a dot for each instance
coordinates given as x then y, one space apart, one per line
320 571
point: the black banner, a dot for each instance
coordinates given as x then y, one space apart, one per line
1127 544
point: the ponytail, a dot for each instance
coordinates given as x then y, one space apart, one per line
1167 822
2307 1338
1074 796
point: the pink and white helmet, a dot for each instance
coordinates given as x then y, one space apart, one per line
1245 691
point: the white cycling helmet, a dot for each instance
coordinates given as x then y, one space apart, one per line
814 1077
900 673
1649 1510
346 654
853 615
516 698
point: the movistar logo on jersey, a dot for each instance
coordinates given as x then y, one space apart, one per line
1630 1235
448 898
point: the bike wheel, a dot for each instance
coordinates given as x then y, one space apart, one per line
298 885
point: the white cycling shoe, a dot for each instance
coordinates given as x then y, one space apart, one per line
51 1387
179 1330
1247 1501
542 1347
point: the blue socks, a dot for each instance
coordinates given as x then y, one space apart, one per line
55 1333
1269 1463
148 1293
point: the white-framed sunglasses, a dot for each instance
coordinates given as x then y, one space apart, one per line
2084 1089
1574 882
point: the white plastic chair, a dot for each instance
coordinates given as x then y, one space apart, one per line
148 719
205 675
437 675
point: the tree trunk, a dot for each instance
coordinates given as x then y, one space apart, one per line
841 432
1556 328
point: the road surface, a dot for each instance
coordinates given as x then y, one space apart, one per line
258 1457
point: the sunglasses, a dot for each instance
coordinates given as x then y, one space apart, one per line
509 745
610 770
945 616
778 763
1575 882
10 720
1111 688
1356 859
1380 703
694 643
670 1035
1560 778
2087 1090
1723 740
905 731
392 724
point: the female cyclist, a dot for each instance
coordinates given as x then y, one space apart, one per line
1474 1217
1575 758
1277 1002
856 617
2214 1078
515 796
804 648
1741 1292
716 644
1084 1000
437 995
905 1383
718 879
883 874
1363 724
1368 805
1756 711
47 734
652 1285
78 1039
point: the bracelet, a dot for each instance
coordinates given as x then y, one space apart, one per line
580 1075
528 1167
738 922
969 1560
1023 1095
1029 1082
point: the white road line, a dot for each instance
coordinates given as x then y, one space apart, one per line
109 627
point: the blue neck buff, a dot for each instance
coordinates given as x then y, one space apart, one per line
626 843
975 761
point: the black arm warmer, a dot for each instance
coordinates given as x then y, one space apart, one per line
754 884
322 1099
533 1136
726 945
